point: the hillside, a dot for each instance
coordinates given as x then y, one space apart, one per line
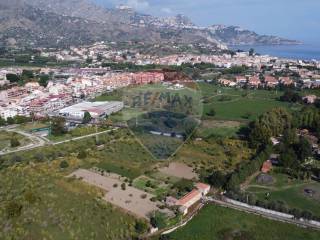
48 23
233 35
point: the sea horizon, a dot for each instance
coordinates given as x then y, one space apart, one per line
304 51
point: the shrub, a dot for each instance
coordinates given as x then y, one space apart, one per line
64 164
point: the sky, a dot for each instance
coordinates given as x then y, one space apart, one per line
294 19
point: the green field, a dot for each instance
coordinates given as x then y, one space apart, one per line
240 104
39 202
290 191
125 157
218 223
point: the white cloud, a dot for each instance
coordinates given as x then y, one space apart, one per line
166 10
138 4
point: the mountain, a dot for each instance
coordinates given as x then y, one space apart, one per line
233 35
52 23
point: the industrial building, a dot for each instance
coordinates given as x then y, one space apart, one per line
96 109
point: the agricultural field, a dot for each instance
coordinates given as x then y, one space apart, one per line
239 104
6 137
38 201
214 222
303 195
215 128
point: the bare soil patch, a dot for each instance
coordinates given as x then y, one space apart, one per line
179 170
130 199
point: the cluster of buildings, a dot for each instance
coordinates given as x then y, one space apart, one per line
69 86
270 80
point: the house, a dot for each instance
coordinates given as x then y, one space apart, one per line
274 141
254 81
188 200
274 158
266 166
241 79
271 81
310 99
226 82
286 81
203 188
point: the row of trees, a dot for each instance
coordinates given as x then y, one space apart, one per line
14 120
27 76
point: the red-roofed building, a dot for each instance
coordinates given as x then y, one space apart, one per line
188 200
271 81
287 81
254 81
267 166
203 188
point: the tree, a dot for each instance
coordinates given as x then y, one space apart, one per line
217 179
211 113
303 149
82 154
140 227
44 79
64 164
13 78
123 186
289 158
10 120
86 118
290 96
2 121
14 142
58 126
14 209
27 74
317 103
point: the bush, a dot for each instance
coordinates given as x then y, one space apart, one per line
64 164
14 142
82 154
14 209
140 227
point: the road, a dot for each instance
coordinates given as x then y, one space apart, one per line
37 142
83 137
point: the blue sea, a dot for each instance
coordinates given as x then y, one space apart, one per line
302 52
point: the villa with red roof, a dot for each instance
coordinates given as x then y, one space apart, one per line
190 199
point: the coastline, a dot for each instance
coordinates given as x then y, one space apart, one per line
305 51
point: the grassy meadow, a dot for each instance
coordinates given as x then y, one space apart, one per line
215 223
